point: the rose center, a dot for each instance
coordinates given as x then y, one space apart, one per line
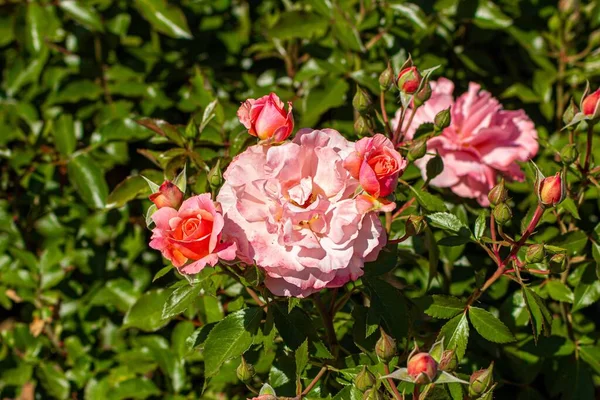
383 165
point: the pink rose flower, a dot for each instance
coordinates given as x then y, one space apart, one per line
376 164
266 118
192 233
291 210
482 141
168 195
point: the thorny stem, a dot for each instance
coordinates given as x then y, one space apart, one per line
395 392
410 119
312 384
403 208
328 323
537 215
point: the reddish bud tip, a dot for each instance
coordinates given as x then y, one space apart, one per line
552 190
590 104
422 368
168 195
409 80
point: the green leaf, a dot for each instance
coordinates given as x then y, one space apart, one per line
36 20
428 201
53 380
445 307
559 291
490 327
123 129
449 222
230 338
591 355
389 304
569 205
146 313
180 300
412 12
587 292
165 18
386 261
320 100
456 334
294 327
444 377
489 16
88 179
126 191
298 24
539 316
162 272
574 242
480 225
84 14
64 135
301 356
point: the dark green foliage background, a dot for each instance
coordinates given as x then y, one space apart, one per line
74 258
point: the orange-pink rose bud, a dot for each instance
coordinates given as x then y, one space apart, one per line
266 118
422 368
409 80
552 190
168 195
590 104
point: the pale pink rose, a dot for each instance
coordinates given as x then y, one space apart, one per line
291 210
266 118
482 141
376 164
168 195
192 233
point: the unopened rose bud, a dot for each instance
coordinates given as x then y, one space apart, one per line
168 195
385 348
361 126
535 254
442 119
215 175
373 394
415 224
417 149
449 361
361 101
364 379
589 105
422 368
570 112
569 154
386 79
502 213
558 263
552 190
409 80
481 381
422 95
498 194
266 118
245 371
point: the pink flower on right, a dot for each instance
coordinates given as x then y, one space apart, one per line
482 141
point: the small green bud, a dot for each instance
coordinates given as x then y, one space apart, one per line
385 348
558 263
415 224
481 381
442 119
245 371
449 361
570 112
535 254
215 175
364 379
417 149
373 394
502 213
386 79
361 126
422 95
569 154
361 101
498 194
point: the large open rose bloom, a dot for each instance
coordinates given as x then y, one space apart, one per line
192 233
291 210
482 141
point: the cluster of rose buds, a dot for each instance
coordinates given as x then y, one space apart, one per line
498 198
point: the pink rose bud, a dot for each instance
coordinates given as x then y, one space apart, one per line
265 118
422 368
590 104
376 164
552 190
409 80
168 195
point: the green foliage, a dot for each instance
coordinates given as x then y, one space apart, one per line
97 95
